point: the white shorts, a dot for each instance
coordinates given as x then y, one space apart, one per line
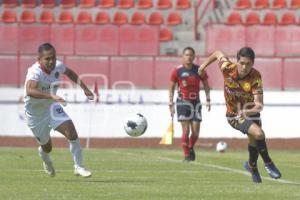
42 125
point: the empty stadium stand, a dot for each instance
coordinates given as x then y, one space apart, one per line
120 38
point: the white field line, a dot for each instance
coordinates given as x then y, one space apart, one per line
237 171
228 169
219 167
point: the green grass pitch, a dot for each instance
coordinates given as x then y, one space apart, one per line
145 174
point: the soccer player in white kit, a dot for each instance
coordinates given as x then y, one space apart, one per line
43 110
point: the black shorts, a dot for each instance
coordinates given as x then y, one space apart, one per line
243 124
188 110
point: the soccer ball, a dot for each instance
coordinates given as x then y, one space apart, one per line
135 125
221 146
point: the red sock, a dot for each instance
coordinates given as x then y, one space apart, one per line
193 140
185 144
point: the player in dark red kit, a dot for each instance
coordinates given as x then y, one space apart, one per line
188 104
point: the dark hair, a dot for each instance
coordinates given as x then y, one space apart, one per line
189 48
246 52
45 47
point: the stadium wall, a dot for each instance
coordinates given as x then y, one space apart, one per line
106 118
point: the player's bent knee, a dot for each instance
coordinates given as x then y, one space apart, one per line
259 135
72 136
47 149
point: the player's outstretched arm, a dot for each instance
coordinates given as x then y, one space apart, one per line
33 91
74 77
207 93
217 55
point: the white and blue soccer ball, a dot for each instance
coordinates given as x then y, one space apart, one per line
221 146
135 125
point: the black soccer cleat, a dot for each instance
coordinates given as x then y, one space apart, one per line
192 154
272 170
254 172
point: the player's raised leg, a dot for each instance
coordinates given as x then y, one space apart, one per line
68 130
261 146
44 151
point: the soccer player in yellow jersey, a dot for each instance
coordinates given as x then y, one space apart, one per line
243 93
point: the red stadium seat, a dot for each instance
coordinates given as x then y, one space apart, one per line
270 18
288 18
183 4
278 4
261 4
165 34
125 4
106 4
295 4
87 3
48 3
243 4
164 4
120 18
67 3
234 18
10 3
65 17
102 18
28 17
174 18
9 16
252 19
156 18
28 3
84 17
47 17
144 4
138 18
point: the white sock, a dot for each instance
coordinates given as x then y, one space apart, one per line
75 149
44 156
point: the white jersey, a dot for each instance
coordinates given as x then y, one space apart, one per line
36 107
